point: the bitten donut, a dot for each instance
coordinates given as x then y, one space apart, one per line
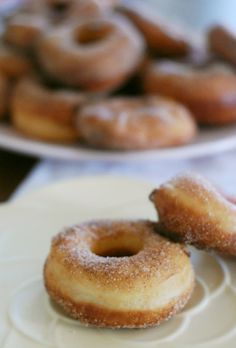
210 92
94 54
135 123
12 64
162 38
44 113
118 274
222 42
191 210
4 89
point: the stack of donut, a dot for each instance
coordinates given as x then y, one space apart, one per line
108 74
134 274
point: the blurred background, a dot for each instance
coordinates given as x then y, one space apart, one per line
27 162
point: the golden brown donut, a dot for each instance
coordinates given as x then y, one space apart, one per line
222 42
96 54
191 210
44 113
24 29
12 64
118 274
210 92
4 89
162 38
135 123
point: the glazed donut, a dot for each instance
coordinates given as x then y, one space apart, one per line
135 123
222 42
118 274
94 54
12 64
191 210
4 89
210 92
162 38
40 112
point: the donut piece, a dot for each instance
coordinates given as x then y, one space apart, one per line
210 92
12 64
162 38
135 123
4 87
40 112
118 274
191 210
96 54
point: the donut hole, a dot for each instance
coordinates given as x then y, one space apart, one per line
124 246
92 33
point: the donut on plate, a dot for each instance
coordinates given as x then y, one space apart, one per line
118 274
44 113
96 54
135 123
12 64
23 30
210 92
222 42
191 210
25 27
162 38
4 98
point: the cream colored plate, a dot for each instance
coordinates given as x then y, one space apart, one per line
28 319
208 142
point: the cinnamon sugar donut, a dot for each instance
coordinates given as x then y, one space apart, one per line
118 274
135 123
12 64
94 54
210 92
40 112
222 42
191 210
23 30
3 95
162 38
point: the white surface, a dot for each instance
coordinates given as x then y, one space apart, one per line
210 141
26 228
220 169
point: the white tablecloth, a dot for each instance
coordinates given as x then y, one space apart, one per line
219 169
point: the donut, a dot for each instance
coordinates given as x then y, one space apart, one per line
222 42
210 92
44 113
118 274
24 29
135 123
4 89
193 211
162 38
96 54
12 64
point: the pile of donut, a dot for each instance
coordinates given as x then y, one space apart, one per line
108 74
133 274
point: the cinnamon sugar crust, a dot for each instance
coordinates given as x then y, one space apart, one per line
139 290
191 210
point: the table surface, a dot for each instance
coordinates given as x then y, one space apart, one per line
20 174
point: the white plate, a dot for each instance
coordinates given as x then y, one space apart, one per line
27 318
208 142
